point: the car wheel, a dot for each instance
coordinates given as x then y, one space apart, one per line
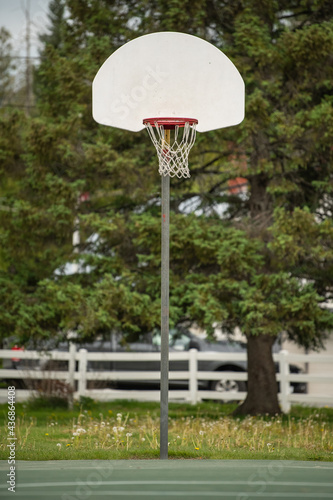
228 386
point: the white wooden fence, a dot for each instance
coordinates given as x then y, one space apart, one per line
192 375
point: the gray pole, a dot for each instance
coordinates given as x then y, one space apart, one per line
165 312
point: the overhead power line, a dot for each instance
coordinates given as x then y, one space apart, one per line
20 57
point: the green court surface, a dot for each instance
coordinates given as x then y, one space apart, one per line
169 479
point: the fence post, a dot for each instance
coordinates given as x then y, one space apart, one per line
193 382
71 373
284 382
82 372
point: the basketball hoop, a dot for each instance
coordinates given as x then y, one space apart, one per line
153 76
172 156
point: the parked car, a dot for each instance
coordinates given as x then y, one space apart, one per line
180 340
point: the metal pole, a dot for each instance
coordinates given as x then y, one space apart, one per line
165 312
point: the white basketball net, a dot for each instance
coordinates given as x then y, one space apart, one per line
173 158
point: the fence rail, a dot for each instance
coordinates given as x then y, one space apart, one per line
193 394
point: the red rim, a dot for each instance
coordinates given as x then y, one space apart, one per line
169 123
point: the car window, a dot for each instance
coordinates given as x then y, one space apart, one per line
144 338
177 340
139 343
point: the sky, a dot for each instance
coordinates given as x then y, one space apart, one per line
12 17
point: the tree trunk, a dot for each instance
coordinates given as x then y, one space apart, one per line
262 393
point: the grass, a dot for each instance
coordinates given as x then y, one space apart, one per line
124 429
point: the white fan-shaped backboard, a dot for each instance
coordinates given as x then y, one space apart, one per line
168 75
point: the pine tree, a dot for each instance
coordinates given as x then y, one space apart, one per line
55 36
6 67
